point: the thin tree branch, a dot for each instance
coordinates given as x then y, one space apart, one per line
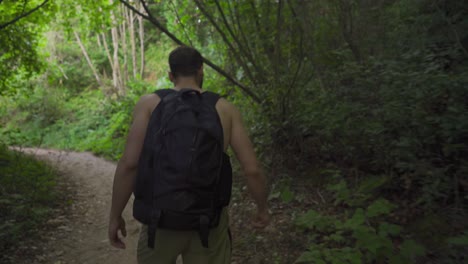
25 3
16 19
346 20
300 57
454 30
278 40
106 48
88 60
158 24
254 9
227 42
263 29
152 19
234 11
242 48
228 27
301 45
174 8
235 14
260 32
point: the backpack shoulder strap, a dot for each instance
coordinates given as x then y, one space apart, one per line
164 92
211 98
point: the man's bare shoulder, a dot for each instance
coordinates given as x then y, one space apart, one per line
226 106
148 102
150 98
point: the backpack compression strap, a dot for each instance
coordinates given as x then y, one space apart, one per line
204 228
156 214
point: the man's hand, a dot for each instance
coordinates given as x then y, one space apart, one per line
114 226
261 219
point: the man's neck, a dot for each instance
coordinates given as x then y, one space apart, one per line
187 83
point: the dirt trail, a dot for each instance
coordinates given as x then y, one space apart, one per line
80 236
77 232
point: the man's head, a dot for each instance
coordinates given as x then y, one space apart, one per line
186 62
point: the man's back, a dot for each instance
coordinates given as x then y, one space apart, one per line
186 72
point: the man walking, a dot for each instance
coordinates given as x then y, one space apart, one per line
175 164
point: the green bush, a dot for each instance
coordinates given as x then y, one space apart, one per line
86 121
27 195
362 233
392 117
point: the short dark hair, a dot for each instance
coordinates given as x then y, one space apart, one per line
185 61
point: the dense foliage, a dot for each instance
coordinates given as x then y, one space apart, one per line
365 97
21 24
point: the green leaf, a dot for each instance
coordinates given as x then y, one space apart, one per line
357 219
458 240
368 240
310 257
410 248
5 201
386 229
354 257
396 259
287 195
308 219
345 255
312 219
336 237
379 207
370 184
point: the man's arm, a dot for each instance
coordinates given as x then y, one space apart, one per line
256 181
124 178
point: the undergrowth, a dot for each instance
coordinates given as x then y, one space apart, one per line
88 121
359 225
27 195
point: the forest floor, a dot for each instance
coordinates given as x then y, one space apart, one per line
77 231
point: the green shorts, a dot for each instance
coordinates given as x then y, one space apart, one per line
169 244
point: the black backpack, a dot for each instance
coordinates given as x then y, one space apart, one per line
184 177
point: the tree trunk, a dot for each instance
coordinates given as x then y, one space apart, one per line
106 48
123 39
116 77
98 39
141 33
132 43
116 74
88 60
